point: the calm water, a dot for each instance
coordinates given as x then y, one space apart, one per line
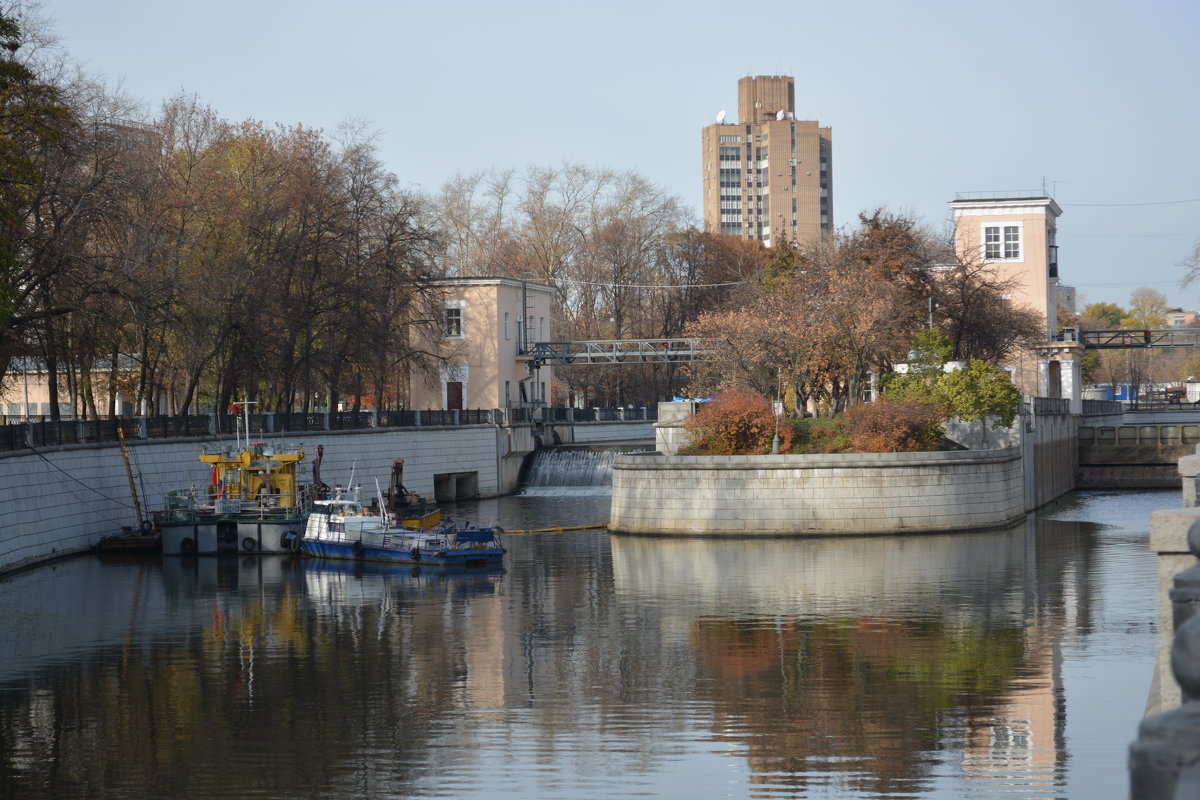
1011 664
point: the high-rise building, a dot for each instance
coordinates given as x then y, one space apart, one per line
768 176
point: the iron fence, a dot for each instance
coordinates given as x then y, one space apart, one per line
397 419
45 432
170 427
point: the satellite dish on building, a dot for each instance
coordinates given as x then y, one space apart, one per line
720 117
781 114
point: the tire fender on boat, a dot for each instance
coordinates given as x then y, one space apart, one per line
147 526
187 546
249 545
358 549
415 554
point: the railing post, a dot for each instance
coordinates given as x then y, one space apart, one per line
325 421
143 427
417 417
374 417
1163 759
1189 470
456 416
212 424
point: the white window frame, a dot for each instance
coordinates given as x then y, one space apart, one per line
1003 245
460 307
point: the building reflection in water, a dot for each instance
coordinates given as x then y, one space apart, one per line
861 662
593 665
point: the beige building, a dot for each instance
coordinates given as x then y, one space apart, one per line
25 391
488 326
769 176
1016 234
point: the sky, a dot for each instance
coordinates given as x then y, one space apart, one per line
1094 103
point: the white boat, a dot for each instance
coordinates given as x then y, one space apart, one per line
344 529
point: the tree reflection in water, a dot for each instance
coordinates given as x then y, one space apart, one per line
590 666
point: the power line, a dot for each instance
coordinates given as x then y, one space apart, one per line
1130 205
660 285
1124 235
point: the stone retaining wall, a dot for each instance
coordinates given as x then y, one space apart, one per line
62 500
864 493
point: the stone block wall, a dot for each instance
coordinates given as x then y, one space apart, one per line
63 500
875 493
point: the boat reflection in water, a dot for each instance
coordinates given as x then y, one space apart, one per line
594 666
853 661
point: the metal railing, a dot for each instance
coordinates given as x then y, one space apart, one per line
45 432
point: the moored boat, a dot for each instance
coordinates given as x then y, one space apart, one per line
344 529
253 504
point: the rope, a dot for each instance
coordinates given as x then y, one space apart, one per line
115 501
593 527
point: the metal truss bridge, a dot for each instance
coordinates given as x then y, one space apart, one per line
1117 340
618 351
682 351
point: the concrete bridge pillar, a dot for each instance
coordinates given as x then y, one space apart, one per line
1071 374
1060 372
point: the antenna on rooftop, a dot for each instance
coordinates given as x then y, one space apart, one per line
720 117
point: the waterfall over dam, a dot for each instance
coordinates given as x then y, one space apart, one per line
569 471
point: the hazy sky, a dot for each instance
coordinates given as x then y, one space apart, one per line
1097 103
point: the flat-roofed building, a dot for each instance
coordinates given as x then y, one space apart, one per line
487 327
1015 235
768 176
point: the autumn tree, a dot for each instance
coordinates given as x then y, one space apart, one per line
34 123
971 305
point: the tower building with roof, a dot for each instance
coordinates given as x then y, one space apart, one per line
768 176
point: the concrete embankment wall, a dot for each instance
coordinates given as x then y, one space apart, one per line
600 434
1135 451
868 493
62 500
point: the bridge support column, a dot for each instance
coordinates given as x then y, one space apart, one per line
1071 375
1044 378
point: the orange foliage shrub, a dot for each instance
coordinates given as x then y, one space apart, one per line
736 422
894 427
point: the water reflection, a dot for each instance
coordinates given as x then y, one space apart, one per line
858 662
590 666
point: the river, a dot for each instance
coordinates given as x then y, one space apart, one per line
984 665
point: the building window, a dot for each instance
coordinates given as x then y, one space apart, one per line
508 394
506 328
541 329
1001 242
452 322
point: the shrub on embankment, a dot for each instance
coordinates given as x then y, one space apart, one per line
741 422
